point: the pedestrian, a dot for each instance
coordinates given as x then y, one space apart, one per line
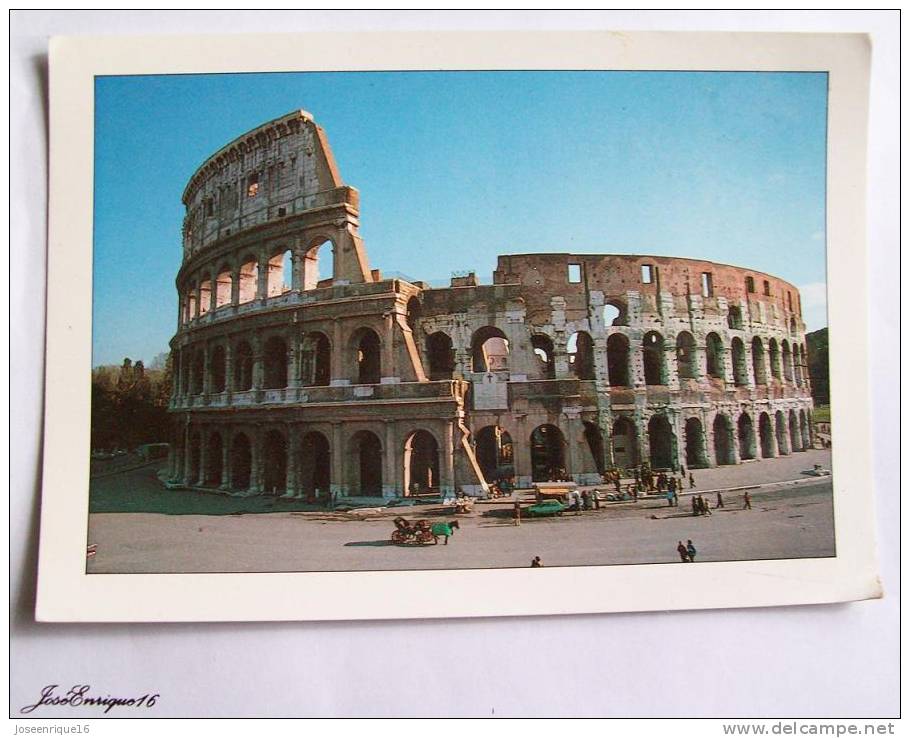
683 552
516 512
691 481
705 506
585 500
682 471
675 499
747 501
720 499
671 485
690 549
596 497
618 484
669 498
536 563
695 508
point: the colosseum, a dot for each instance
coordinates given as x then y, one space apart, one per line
300 371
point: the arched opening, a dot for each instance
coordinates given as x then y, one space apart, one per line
205 296
595 441
625 443
653 354
219 377
795 438
280 273
315 467
774 358
440 356
248 279
696 455
685 355
783 436
734 318
213 461
788 361
766 436
714 354
241 462
618 360
746 434
547 454
792 326
615 313
315 360
758 361
243 367
198 373
195 456
413 313
797 365
723 441
489 350
224 284
275 358
319 266
369 370
274 463
367 460
494 452
421 463
804 429
580 348
661 442
740 370
543 354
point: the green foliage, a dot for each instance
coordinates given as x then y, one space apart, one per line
821 414
129 405
817 350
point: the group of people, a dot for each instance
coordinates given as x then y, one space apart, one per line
700 505
686 551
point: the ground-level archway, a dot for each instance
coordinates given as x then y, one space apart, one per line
595 441
625 443
366 462
745 432
696 454
783 436
547 453
421 462
724 450
315 467
274 463
661 442
766 436
795 438
241 462
213 460
494 452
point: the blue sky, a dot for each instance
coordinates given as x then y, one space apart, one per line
454 168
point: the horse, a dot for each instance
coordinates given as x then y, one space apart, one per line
444 529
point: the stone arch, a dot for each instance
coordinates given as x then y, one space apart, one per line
734 318
319 263
241 462
618 360
314 466
774 358
615 312
795 437
367 356
205 296
740 369
218 369
787 360
766 436
248 279
214 473
495 453
652 347
274 462
243 367
696 453
547 453
661 442
197 373
782 433
421 462
724 449
580 348
224 286
366 462
489 350
685 355
745 433
542 347
279 277
758 361
804 430
714 354
275 363
440 356
413 313
595 441
315 360
624 439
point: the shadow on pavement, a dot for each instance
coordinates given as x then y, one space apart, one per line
383 542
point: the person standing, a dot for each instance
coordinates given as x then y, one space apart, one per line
675 499
690 549
720 499
747 501
536 563
695 507
683 552
691 481
516 512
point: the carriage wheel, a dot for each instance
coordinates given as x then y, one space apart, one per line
399 537
424 536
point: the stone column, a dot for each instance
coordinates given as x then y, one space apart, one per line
568 424
750 368
294 361
636 362
390 482
213 293
292 479
339 482
206 370
256 346
297 261
262 286
339 376
671 365
235 287
388 370
726 358
225 461
256 461
447 466
187 459
522 450
701 362
228 369
203 456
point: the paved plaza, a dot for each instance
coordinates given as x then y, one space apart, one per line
791 517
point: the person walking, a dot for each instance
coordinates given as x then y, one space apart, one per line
536 563
747 501
705 506
675 499
695 507
683 552
516 512
690 549
691 481
720 499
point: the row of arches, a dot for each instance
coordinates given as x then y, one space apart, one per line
260 276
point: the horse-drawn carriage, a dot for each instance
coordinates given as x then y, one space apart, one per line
421 532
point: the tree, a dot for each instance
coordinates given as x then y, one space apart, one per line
817 358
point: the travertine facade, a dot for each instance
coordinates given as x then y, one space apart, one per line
295 378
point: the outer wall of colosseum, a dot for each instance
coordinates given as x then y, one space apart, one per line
300 371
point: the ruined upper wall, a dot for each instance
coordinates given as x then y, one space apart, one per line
278 169
544 276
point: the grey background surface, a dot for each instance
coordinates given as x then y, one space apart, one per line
825 661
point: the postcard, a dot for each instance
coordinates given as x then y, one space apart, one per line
408 325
